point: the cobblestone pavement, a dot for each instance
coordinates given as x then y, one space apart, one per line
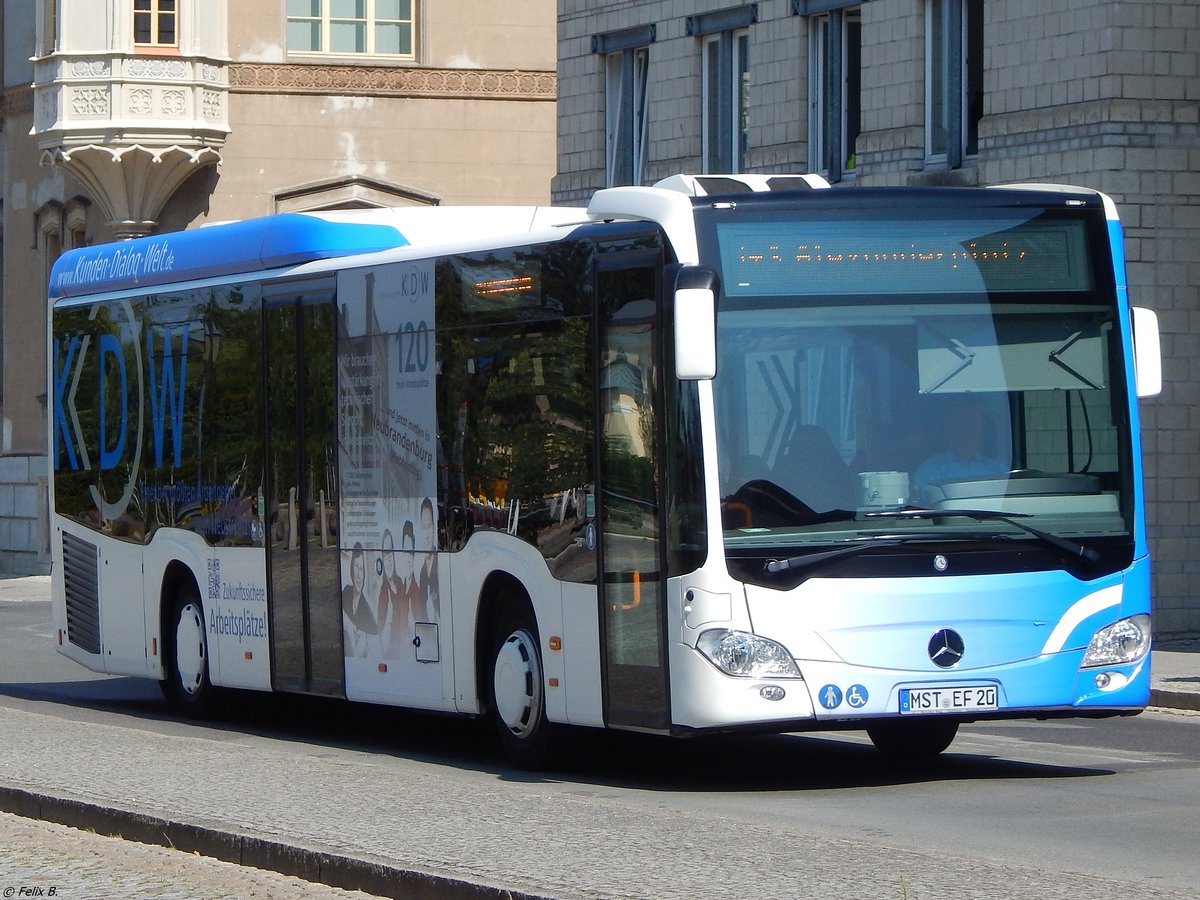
42 859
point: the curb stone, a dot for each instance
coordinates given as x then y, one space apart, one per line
318 866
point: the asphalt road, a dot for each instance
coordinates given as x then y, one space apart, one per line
1057 809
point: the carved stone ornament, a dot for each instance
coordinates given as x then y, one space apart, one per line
392 81
90 68
141 101
133 191
174 104
213 104
45 109
18 100
89 101
140 67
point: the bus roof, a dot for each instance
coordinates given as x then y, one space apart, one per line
288 239
229 248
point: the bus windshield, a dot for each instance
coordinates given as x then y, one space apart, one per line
889 377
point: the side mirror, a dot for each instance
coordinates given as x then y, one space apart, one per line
1147 352
695 324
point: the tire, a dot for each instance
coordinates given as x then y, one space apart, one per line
187 685
908 740
517 690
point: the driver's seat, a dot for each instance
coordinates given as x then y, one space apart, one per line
813 470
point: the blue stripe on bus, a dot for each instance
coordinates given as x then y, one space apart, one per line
1116 238
248 246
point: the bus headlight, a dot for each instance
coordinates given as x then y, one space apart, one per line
1121 642
747 655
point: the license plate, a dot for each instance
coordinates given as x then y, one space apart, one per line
961 698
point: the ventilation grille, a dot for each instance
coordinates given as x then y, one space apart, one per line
82 587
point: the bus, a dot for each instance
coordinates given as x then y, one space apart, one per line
728 453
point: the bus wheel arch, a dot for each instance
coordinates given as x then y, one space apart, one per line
185 647
511 672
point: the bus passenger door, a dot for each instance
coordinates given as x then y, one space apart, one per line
301 491
633 583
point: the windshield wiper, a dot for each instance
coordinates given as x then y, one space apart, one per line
792 563
989 515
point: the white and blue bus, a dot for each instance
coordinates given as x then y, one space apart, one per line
725 453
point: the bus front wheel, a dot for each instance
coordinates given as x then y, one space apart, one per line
518 695
187 684
909 739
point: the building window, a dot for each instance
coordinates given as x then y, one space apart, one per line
625 115
75 222
726 79
953 80
48 39
626 71
349 27
154 23
834 91
49 220
725 85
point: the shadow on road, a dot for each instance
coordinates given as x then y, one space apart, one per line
726 763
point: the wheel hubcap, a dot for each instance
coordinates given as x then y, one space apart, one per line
189 647
517 682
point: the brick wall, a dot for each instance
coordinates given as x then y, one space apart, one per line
892 141
1101 94
1108 95
24 522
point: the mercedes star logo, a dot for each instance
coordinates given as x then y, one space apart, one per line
946 648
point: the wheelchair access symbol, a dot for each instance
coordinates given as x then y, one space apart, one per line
856 696
831 696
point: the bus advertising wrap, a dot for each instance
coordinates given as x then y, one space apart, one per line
387 447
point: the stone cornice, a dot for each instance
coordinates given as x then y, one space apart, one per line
392 81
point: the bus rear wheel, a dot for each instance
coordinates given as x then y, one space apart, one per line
187 684
912 739
517 688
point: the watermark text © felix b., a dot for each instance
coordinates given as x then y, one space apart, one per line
26 890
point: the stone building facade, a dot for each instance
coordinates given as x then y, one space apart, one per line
961 92
127 117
